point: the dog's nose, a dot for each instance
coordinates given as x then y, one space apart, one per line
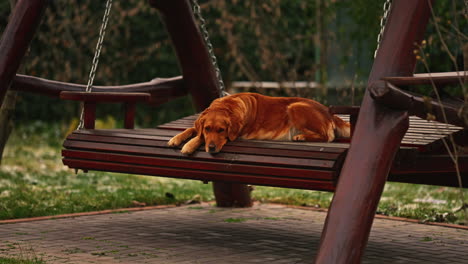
212 147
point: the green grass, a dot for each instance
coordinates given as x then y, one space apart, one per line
33 182
20 261
235 220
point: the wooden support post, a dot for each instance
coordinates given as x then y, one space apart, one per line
16 38
90 101
232 195
194 60
130 110
199 77
378 133
89 115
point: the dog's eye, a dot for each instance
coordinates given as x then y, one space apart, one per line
221 130
207 129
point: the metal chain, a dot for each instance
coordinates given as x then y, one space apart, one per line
97 53
383 21
206 36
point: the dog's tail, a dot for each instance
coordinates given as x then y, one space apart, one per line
342 128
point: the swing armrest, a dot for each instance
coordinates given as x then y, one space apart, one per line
91 99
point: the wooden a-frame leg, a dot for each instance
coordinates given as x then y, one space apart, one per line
15 39
361 183
376 139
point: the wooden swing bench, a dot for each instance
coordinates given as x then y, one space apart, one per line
302 165
390 135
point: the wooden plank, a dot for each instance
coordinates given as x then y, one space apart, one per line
203 176
232 158
201 165
226 149
438 78
137 133
112 97
176 126
432 130
414 120
422 130
161 89
154 134
423 135
417 125
434 125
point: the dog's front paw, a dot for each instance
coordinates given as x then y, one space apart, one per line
191 146
174 142
187 149
299 138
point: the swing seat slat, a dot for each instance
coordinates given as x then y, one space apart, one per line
144 151
302 165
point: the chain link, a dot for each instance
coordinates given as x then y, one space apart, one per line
97 53
206 36
383 21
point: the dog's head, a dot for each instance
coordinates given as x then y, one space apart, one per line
216 127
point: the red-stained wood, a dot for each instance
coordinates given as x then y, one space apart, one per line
191 51
110 97
379 131
197 69
89 114
158 141
91 99
391 96
130 110
15 40
436 78
200 165
162 90
274 147
235 195
200 155
200 175
148 147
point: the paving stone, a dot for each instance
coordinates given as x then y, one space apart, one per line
272 234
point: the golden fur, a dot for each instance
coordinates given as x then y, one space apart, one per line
255 116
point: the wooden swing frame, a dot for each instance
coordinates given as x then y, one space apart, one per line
363 166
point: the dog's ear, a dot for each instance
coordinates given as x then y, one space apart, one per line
199 123
233 128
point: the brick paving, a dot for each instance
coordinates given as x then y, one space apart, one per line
266 233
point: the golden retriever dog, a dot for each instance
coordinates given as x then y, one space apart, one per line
255 116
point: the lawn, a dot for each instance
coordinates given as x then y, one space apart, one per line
33 182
